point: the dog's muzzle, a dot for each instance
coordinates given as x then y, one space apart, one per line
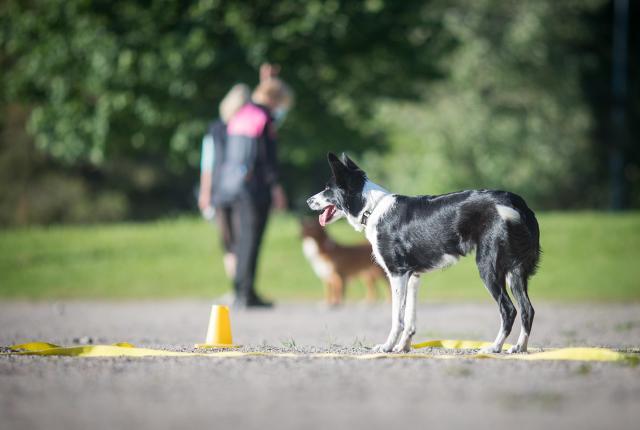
311 202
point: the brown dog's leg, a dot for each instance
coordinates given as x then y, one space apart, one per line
340 290
387 289
337 288
328 292
333 289
370 282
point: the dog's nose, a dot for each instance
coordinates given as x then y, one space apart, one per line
309 201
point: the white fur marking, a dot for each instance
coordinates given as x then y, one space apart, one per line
507 213
523 340
371 230
398 303
372 194
404 344
446 261
371 188
321 266
497 344
319 202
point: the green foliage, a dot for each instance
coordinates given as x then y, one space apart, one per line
512 113
439 94
587 257
34 192
108 80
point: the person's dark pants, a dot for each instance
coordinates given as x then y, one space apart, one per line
224 219
249 216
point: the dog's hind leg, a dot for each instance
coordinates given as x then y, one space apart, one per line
328 293
398 303
495 283
404 344
518 285
339 289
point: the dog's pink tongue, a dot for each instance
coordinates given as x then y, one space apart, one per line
326 215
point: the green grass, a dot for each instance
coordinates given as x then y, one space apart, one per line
587 257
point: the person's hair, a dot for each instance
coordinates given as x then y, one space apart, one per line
237 97
273 91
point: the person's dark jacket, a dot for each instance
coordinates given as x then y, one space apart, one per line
251 137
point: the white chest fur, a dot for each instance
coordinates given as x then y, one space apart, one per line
321 266
371 232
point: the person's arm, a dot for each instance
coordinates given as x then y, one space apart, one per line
268 71
278 197
206 173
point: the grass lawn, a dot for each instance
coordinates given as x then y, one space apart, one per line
587 257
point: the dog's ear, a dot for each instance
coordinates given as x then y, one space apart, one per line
332 158
351 165
336 165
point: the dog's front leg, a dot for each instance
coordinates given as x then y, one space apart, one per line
398 302
404 344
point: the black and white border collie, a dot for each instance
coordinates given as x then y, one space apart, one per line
414 235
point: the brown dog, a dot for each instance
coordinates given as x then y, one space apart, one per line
337 264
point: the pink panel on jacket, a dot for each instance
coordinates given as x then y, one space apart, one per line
249 121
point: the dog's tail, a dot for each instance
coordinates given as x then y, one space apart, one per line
524 239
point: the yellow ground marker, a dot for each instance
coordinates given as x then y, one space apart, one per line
128 350
456 344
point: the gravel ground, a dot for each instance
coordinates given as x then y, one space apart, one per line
265 392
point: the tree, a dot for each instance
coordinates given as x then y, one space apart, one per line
525 93
439 94
107 81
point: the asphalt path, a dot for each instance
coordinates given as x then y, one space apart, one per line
268 392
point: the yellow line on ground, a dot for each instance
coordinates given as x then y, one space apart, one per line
128 350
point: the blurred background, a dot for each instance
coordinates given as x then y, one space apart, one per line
103 106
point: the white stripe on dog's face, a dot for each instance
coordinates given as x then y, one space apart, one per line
320 201
317 202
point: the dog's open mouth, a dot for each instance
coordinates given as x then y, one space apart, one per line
327 214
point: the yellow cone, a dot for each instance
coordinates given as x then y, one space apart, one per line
219 331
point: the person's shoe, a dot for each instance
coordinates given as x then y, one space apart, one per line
253 301
257 302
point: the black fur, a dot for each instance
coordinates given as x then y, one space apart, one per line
346 184
416 233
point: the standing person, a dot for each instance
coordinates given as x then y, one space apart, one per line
213 149
249 180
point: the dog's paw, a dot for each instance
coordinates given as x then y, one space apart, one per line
402 348
383 347
517 349
490 349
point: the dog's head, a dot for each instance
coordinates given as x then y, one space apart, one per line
343 196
